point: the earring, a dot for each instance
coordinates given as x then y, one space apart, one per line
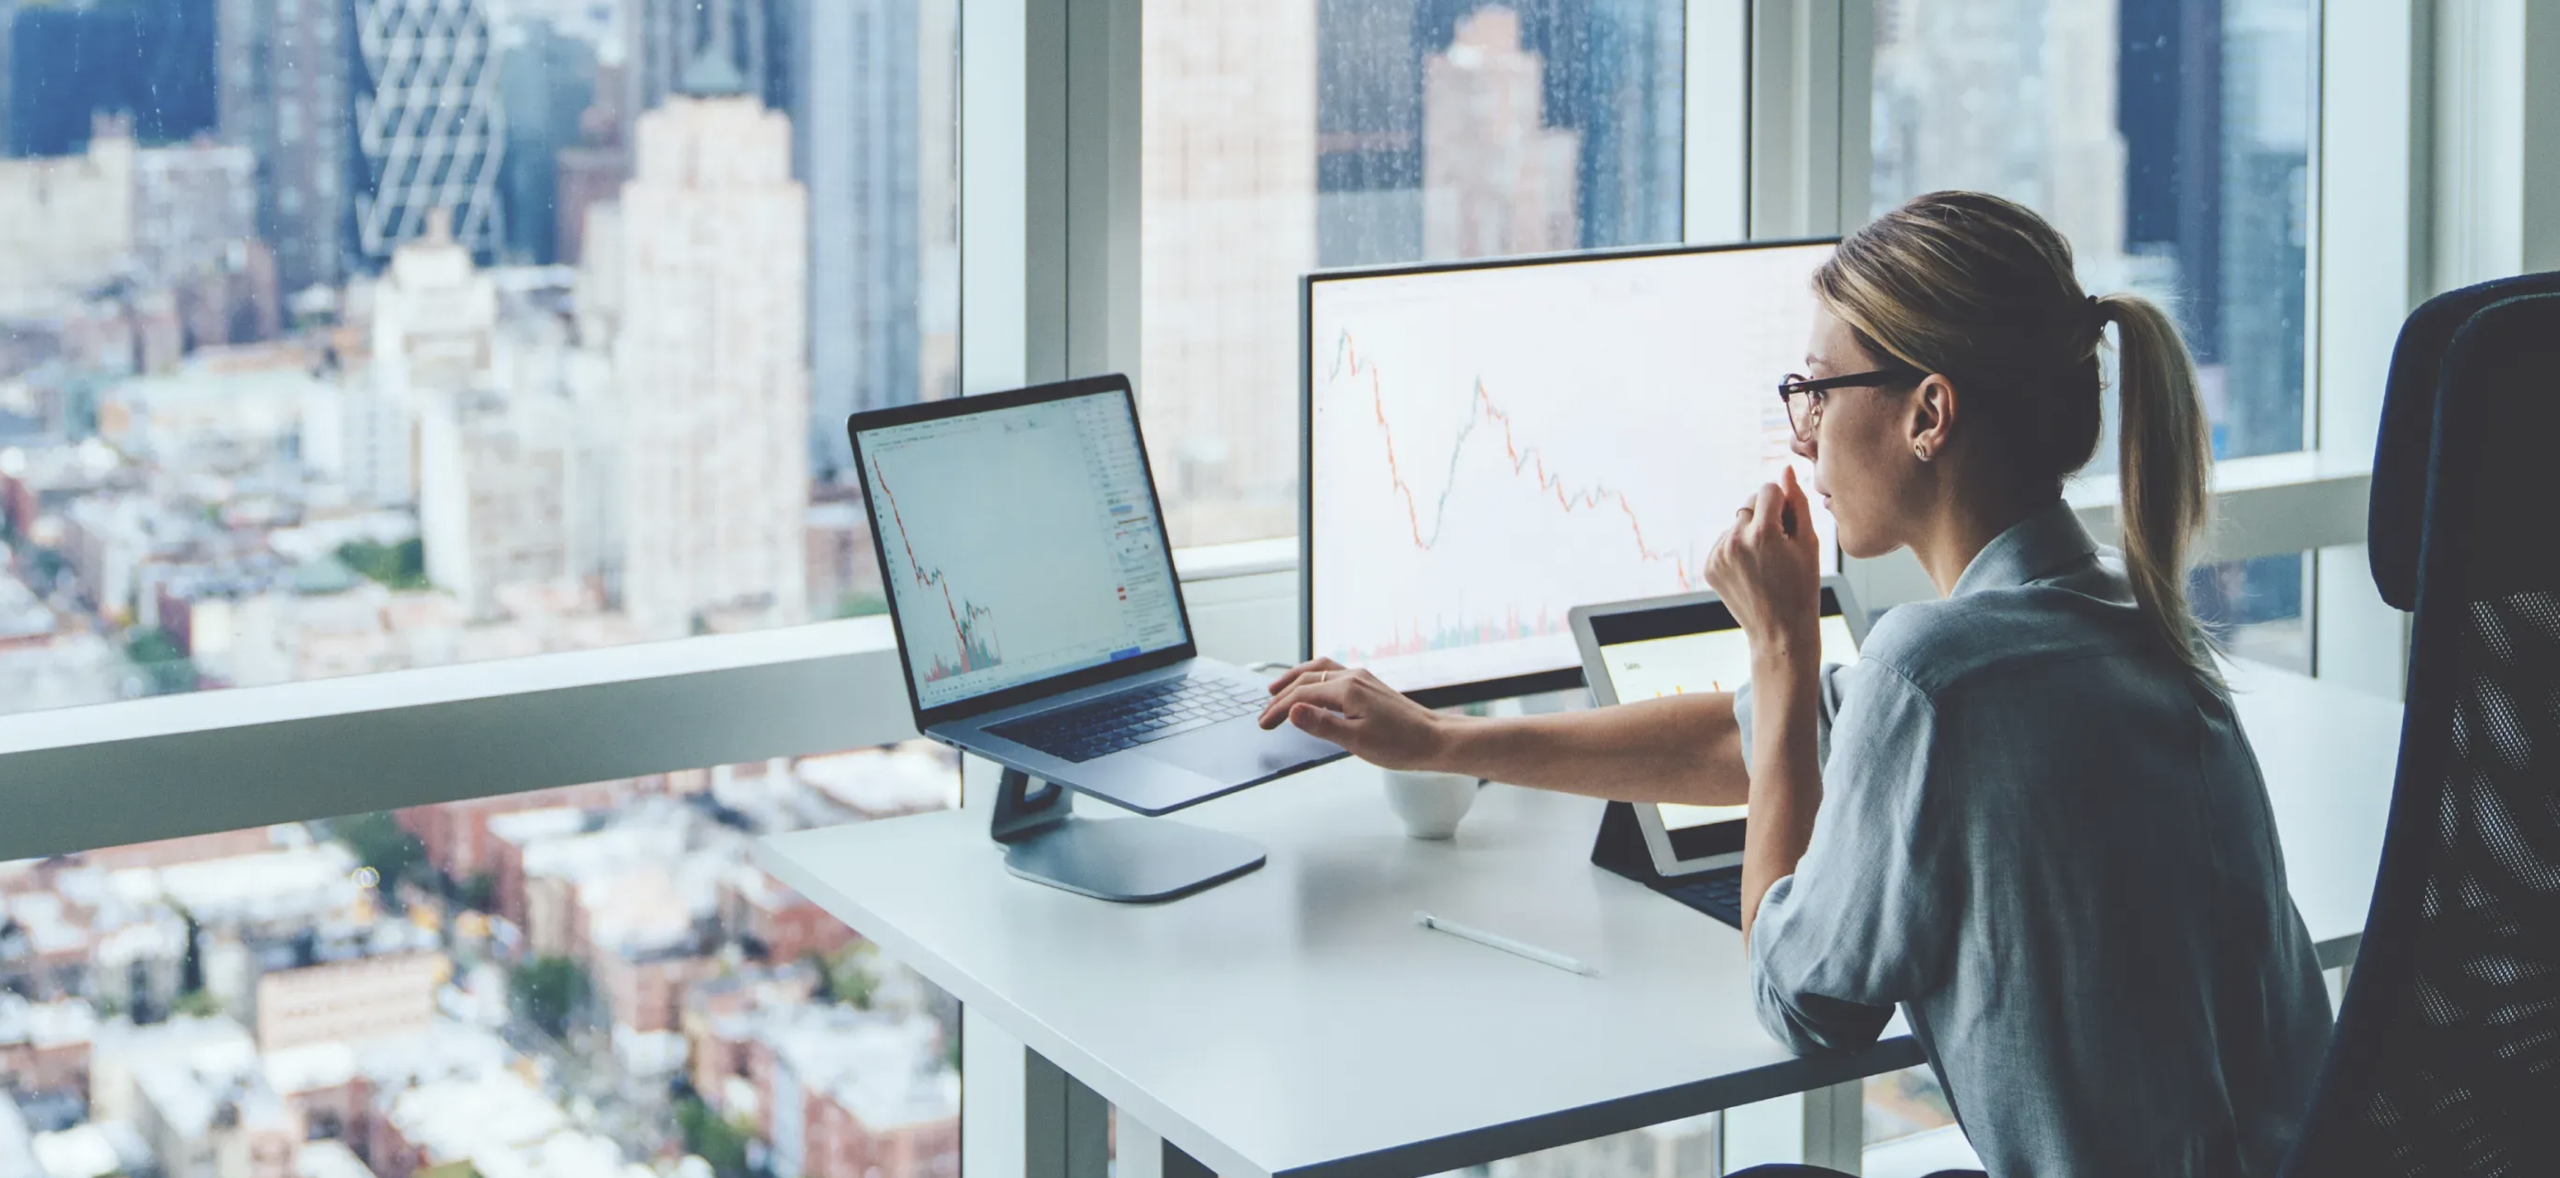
1920 452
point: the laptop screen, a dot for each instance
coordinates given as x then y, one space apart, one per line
1648 664
1019 544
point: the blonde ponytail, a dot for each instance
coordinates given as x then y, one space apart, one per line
1983 291
2164 469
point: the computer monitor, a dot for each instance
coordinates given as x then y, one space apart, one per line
1486 445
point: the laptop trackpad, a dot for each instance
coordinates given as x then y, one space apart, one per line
1239 751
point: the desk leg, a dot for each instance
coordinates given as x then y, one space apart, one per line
1066 1127
1143 1153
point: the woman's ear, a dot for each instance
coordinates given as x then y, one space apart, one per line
1934 410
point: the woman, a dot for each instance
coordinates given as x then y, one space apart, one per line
2026 815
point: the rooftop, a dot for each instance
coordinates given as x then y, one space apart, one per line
477 1118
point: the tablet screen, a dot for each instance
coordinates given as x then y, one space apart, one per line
1713 660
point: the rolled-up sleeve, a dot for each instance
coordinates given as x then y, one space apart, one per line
1863 922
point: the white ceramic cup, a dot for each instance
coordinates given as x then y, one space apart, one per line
1430 804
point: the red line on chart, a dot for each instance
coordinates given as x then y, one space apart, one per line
976 654
1523 461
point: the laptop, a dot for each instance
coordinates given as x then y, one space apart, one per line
1638 650
1039 620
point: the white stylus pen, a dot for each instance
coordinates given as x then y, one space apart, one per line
1506 944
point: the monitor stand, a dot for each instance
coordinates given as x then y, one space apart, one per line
1127 860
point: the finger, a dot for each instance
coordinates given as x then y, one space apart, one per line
1768 511
1799 503
1333 694
1322 724
1295 673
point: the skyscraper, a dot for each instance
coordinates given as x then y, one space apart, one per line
711 360
1496 179
546 81
282 93
70 62
1227 179
429 127
859 121
667 38
2015 97
1634 79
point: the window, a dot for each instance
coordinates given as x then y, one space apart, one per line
1282 137
289 390
592 978
2258 609
2169 141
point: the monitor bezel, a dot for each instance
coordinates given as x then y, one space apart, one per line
1022 693
1481 690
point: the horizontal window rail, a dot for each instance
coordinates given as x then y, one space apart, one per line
79 778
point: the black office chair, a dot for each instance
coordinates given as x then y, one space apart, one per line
2446 1059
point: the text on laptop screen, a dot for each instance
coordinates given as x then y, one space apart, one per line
1020 544
1716 660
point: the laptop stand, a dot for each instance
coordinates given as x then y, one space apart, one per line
1126 860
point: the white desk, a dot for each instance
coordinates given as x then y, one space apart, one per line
1296 1022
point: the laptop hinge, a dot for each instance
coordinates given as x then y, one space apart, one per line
1021 812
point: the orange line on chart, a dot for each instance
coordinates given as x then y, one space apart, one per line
1346 353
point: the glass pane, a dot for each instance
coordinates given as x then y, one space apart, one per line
583 981
2169 140
353 336
2256 608
1284 136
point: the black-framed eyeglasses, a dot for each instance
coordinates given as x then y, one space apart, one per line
1803 395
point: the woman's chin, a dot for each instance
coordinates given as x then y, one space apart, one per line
1857 546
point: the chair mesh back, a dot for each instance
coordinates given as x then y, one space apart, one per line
2446 1060
2478 1049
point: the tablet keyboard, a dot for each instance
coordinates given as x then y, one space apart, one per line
1118 722
1717 893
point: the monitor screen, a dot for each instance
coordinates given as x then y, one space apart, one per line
1019 544
1711 660
1490 446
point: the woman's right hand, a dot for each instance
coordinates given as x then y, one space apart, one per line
1353 709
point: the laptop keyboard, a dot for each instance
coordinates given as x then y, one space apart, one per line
1717 893
1116 723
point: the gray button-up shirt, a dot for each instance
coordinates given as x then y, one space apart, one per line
2051 847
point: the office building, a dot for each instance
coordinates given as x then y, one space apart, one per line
1633 82
514 493
1612 72
66 223
860 124
1496 178
2067 157
430 130
1227 174
191 204
68 63
710 361
349 1001
547 82
2266 220
668 38
283 92
434 316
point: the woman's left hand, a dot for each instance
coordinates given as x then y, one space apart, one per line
1768 568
